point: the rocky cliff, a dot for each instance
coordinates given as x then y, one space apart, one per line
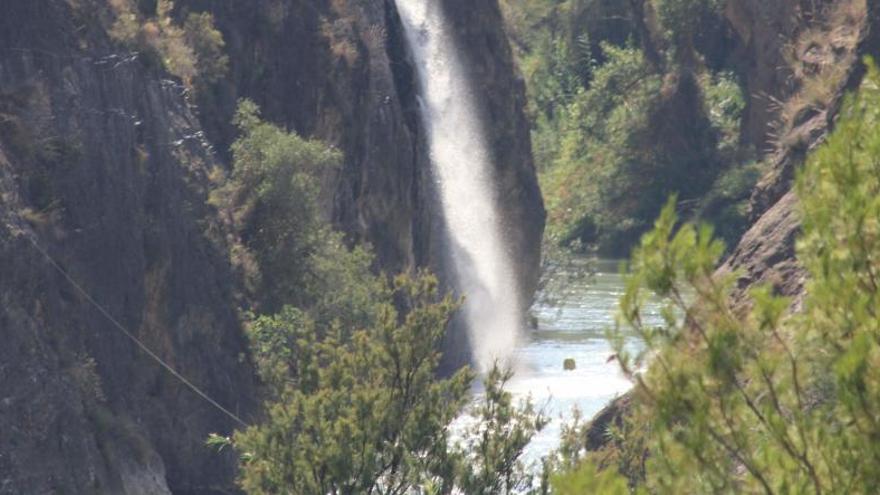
828 49
104 164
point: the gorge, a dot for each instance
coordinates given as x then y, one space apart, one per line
385 137
106 161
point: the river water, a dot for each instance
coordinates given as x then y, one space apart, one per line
572 321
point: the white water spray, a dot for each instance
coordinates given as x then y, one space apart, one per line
463 170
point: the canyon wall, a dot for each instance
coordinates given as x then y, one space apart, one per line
105 162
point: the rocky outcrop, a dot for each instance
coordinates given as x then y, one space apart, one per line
340 71
104 163
766 252
762 30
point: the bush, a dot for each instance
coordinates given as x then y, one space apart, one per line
212 64
271 197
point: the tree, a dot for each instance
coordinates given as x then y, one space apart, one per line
489 459
271 198
359 415
751 400
366 413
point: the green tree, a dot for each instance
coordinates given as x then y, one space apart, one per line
364 414
489 458
271 199
751 399
365 411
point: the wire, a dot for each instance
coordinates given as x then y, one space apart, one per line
134 339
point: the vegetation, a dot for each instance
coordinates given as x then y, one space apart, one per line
192 51
355 402
290 255
488 459
366 412
748 399
616 98
358 414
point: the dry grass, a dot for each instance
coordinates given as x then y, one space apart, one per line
340 36
191 51
818 59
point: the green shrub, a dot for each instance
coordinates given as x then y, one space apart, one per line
489 461
212 64
271 197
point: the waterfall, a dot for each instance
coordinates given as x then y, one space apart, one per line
463 169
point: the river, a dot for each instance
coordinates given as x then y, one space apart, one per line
572 322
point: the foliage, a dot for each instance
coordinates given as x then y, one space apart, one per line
587 479
192 52
489 458
747 399
726 204
207 44
613 134
358 415
725 103
271 197
365 411
683 20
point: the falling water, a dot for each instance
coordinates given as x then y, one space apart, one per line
463 169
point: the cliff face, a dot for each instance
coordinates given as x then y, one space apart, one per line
340 71
104 163
766 252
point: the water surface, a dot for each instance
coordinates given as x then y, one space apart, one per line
572 321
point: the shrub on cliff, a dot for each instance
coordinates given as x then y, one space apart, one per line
192 52
288 253
747 400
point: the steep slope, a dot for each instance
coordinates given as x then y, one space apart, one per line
104 167
341 71
105 162
766 253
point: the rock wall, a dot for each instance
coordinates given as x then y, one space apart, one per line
104 163
766 253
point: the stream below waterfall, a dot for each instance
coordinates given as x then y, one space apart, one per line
572 321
